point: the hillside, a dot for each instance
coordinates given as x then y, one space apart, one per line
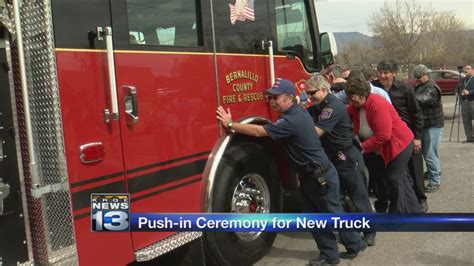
344 39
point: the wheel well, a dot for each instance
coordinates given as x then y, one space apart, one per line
287 175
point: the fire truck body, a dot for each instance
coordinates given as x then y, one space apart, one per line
121 99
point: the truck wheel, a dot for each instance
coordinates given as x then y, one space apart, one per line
247 182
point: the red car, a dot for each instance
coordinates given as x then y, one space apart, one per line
446 80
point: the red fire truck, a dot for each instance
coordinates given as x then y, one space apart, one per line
119 96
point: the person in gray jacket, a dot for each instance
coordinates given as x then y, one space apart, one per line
428 94
466 92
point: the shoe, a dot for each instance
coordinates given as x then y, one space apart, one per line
369 239
322 262
424 205
350 255
431 188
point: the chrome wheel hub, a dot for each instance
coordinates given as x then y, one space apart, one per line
251 195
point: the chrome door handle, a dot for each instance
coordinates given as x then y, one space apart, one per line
105 33
131 104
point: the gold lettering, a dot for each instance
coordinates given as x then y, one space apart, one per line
252 97
241 74
239 87
228 99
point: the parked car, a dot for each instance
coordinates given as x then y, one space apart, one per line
446 80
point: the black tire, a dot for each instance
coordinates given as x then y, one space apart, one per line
246 159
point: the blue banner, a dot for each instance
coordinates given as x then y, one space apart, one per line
300 222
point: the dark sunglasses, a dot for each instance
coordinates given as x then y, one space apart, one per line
311 93
272 97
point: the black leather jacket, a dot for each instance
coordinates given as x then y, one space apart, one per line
404 100
429 98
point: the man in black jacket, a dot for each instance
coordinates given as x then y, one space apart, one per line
404 100
428 95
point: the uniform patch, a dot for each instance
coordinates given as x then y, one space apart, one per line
279 121
325 113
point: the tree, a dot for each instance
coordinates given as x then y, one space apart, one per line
356 55
398 29
447 43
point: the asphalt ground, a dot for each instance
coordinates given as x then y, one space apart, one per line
398 248
392 248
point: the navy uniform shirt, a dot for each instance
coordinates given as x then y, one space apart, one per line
331 116
296 128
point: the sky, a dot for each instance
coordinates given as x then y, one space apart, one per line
354 15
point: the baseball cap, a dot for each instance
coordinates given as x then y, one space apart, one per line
420 70
282 86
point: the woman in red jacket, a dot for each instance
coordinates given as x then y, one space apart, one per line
381 130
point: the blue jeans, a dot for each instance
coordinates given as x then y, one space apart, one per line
430 146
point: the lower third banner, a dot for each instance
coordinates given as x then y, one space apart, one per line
285 222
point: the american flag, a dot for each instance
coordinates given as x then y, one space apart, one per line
237 14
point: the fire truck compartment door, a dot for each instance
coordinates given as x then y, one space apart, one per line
165 79
85 78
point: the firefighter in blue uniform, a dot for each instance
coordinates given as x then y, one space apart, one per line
319 182
333 125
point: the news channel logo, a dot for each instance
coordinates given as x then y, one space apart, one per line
110 212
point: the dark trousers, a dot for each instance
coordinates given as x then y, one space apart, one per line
376 167
400 188
415 166
395 188
467 114
327 200
352 179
